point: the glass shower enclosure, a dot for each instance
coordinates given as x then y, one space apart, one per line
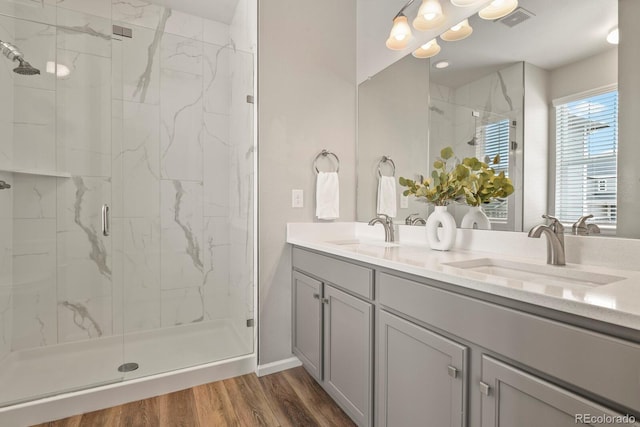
126 208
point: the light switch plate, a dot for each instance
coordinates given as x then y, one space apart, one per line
297 199
404 202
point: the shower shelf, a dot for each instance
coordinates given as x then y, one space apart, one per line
38 172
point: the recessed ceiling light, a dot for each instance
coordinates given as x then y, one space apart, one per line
442 64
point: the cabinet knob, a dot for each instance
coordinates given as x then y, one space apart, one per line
316 296
485 388
325 300
453 372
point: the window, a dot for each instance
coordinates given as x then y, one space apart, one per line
493 139
586 158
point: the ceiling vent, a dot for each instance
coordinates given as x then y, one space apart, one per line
516 17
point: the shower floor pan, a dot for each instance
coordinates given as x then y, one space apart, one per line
48 371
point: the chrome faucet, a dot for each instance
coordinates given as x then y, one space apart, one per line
555 239
387 223
581 228
410 220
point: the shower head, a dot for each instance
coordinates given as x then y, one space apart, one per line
13 53
25 68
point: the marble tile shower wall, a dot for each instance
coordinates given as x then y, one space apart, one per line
156 126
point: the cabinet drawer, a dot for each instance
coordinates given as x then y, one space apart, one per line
353 278
597 363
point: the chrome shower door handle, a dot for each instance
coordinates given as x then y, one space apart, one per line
106 226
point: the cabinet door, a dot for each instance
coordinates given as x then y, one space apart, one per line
348 353
421 376
511 397
307 326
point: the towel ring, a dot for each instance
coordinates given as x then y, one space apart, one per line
325 153
386 159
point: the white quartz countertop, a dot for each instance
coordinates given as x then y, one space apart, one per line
617 302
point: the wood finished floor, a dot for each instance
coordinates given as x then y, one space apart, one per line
288 398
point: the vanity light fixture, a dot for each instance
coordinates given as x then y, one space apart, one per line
457 32
497 9
400 33
427 50
463 3
429 16
614 36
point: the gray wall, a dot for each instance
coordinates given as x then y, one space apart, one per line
306 102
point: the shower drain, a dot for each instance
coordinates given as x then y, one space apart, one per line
128 367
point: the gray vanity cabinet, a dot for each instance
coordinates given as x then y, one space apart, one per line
333 329
307 318
511 397
348 323
421 376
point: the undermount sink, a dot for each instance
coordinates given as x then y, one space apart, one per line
543 274
357 242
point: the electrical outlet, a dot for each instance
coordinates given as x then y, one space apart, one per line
297 199
404 202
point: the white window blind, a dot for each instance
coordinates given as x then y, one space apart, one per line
493 139
586 158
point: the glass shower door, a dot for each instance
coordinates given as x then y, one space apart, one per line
58 305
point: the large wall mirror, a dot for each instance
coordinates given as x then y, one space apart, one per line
512 87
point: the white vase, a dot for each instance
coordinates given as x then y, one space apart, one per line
441 229
475 218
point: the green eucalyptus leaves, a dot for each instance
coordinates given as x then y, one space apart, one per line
471 180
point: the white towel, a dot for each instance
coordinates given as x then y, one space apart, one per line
327 195
387 196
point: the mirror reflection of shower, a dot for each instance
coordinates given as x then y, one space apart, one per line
14 54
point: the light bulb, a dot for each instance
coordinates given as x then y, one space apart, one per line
400 33
457 32
429 16
497 9
427 50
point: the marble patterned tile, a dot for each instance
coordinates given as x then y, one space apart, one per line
181 126
215 32
181 235
34 316
217 292
141 268
216 173
81 32
139 66
31 10
84 115
83 253
82 319
181 54
117 274
34 145
101 8
6 319
37 41
138 12
185 25
217 79
141 160
34 196
34 300
117 160
182 306
6 233
244 25
6 120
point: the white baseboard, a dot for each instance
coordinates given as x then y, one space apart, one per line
277 366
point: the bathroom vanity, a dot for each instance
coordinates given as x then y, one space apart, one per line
401 335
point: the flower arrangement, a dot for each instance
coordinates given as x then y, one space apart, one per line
471 180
